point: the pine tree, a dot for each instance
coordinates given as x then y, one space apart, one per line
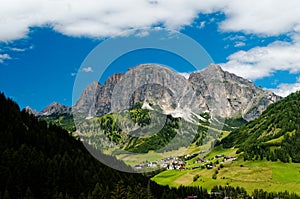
28 194
97 192
6 195
119 191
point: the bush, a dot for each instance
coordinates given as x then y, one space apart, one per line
214 176
196 177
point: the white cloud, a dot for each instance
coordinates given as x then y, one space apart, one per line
97 18
239 44
87 69
4 57
267 17
102 18
260 62
236 38
286 89
202 24
18 49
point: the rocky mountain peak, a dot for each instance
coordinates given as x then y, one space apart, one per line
213 68
114 78
239 96
29 110
236 96
92 86
95 99
55 109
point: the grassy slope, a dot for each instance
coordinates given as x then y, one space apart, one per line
277 120
270 176
134 159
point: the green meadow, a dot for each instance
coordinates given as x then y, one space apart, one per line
266 175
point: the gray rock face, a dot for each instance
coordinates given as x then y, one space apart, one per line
149 83
96 98
219 92
54 109
29 110
239 97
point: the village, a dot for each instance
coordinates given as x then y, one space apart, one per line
181 162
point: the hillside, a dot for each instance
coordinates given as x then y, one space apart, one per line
178 115
44 161
274 135
266 152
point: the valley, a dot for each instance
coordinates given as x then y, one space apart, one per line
251 175
254 150
150 99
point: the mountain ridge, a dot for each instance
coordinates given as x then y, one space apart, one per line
243 98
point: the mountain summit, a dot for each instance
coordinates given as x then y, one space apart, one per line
236 96
54 109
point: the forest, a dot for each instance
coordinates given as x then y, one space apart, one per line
275 135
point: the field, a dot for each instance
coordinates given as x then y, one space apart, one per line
133 159
266 175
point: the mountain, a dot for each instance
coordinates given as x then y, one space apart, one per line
211 90
274 135
29 110
54 109
243 98
152 108
96 98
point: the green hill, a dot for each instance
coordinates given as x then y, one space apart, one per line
38 160
134 131
274 135
267 152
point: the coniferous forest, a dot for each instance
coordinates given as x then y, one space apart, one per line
44 161
275 135
40 160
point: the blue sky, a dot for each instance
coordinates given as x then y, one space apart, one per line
43 44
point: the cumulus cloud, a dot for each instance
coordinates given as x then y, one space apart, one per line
87 69
286 89
102 18
264 17
4 57
260 62
98 18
